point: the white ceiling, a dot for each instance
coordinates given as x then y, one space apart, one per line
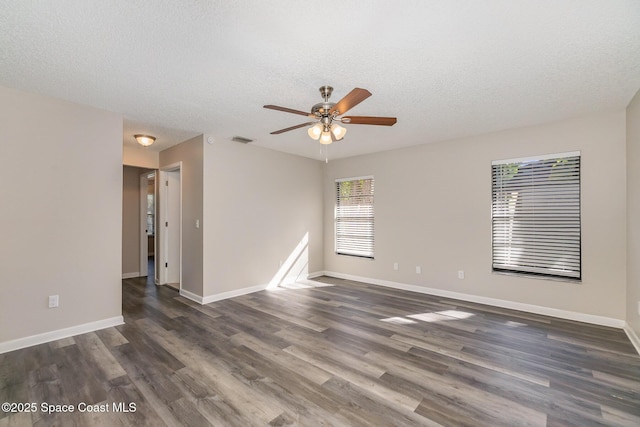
445 68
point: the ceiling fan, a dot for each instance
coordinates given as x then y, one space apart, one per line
326 115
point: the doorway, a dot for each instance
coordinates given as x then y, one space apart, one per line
148 215
170 230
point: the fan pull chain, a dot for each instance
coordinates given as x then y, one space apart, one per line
325 147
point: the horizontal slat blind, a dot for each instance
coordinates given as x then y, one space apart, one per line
354 217
536 216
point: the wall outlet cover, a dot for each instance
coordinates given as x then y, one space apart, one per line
53 301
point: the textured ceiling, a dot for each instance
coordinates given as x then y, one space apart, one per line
445 68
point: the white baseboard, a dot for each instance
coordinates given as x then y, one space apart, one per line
191 296
231 294
633 337
130 275
529 308
239 292
224 295
59 334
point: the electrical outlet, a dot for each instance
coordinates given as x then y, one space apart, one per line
395 266
460 274
53 301
418 269
197 223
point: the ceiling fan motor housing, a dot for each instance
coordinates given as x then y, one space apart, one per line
322 109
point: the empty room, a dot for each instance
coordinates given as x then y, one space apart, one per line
284 213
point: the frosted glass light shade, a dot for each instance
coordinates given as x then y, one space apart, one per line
315 131
338 131
144 140
325 138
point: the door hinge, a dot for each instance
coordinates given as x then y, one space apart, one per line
166 224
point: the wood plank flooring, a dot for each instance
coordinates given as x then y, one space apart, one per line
339 354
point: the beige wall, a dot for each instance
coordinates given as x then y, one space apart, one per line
60 214
633 213
130 220
140 156
432 209
259 205
191 155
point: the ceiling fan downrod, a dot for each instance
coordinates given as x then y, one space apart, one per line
326 92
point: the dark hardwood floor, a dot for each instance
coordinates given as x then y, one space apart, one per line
340 354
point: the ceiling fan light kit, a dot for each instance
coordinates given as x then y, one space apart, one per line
326 114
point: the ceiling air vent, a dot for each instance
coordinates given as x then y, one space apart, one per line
241 139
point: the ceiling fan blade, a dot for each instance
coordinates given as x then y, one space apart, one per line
288 110
353 98
369 120
277 132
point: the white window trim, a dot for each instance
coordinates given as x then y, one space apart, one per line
524 272
354 178
335 216
534 158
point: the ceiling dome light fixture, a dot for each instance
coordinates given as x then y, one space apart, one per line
145 140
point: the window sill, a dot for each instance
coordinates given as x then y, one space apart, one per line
538 276
356 256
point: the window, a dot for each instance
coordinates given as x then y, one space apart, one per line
150 213
354 216
536 216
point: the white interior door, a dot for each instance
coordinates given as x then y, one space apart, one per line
172 224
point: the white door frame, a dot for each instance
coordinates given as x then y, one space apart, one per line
144 246
161 232
144 252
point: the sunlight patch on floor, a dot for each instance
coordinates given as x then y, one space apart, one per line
456 313
513 324
301 284
439 316
398 320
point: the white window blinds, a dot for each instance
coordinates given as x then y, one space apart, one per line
536 215
354 216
